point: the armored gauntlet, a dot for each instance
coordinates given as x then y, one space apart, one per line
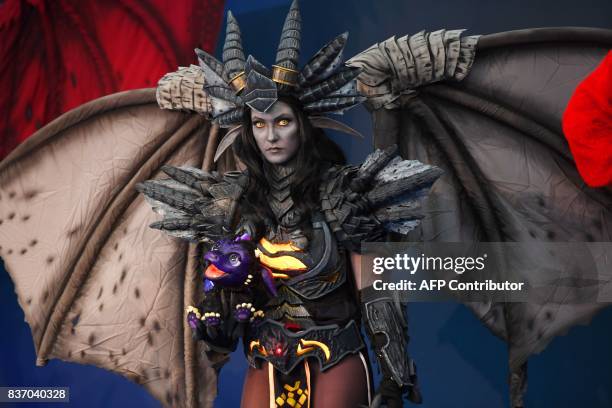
387 327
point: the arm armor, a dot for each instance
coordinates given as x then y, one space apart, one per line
387 327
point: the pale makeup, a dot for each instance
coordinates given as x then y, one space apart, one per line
276 132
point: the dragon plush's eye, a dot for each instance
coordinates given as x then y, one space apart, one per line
234 259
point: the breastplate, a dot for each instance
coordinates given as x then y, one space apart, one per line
314 314
304 293
316 271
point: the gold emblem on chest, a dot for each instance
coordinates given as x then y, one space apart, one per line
282 262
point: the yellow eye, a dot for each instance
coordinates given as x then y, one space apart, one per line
259 124
283 122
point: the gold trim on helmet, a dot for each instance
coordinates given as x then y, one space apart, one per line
238 82
285 76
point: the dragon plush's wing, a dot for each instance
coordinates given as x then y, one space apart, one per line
488 111
96 284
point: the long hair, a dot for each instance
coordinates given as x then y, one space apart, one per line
315 153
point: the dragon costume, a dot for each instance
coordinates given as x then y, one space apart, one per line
98 286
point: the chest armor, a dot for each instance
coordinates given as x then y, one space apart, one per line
314 313
312 282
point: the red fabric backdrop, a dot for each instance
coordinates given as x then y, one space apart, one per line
58 54
587 124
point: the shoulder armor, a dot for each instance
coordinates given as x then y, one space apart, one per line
384 193
398 66
184 90
195 205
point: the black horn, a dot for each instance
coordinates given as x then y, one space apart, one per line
288 52
233 53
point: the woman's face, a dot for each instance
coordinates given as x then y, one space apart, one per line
276 132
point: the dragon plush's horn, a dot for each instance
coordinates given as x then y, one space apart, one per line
243 237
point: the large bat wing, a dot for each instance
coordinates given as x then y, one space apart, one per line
509 175
96 284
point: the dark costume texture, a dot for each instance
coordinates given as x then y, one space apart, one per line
114 292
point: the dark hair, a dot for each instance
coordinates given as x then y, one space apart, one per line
315 154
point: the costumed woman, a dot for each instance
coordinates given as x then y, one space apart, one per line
280 240
282 266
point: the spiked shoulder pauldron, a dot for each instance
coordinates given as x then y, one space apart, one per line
196 205
383 194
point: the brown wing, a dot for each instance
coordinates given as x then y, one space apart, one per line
509 175
98 286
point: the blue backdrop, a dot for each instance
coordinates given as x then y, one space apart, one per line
460 363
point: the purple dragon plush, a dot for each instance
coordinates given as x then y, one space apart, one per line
231 264
232 268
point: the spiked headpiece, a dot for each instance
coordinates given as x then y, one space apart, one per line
324 85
